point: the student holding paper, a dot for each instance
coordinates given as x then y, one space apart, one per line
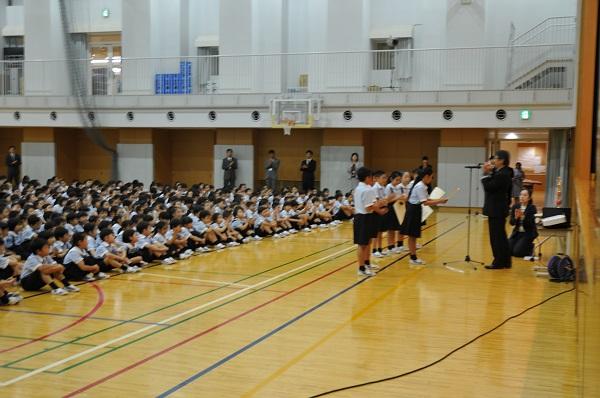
417 197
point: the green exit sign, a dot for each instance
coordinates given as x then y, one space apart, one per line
525 114
105 12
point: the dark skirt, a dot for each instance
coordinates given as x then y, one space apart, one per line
412 221
392 220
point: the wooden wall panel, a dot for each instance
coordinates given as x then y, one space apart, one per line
391 150
289 149
343 137
67 157
463 137
163 168
38 134
234 137
135 136
192 155
94 162
9 136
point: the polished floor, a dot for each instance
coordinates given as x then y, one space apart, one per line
290 318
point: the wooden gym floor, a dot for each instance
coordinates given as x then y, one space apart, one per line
290 318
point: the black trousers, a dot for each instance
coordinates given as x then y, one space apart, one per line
14 177
521 245
308 184
499 241
229 183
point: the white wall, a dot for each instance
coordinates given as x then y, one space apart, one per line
452 174
245 171
335 161
136 162
38 160
87 16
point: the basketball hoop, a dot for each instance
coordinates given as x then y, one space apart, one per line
287 126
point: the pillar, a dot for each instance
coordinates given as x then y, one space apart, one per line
135 151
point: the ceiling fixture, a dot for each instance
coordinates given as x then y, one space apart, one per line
512 136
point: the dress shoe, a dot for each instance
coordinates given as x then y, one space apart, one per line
497 266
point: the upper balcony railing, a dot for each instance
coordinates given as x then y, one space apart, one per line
539 66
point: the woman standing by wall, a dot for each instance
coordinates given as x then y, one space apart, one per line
354 166
517 182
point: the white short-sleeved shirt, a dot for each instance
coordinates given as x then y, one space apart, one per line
237 223
10 240
419 194
364 195
33 263
379 190
70 228
185 233
78 228
103 249
3 262
91 242
392 189
143 241
259 220
61 246
75 256
159 238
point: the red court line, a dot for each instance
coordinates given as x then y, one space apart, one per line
211 329
192 284
99 303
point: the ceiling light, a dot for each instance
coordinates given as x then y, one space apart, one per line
511 136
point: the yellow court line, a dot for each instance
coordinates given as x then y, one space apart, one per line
329 335
193 279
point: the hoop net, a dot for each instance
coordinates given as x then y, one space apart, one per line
288 124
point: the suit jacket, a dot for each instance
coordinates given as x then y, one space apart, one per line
9 161
498 189
271 167
230 167
308 173
528 221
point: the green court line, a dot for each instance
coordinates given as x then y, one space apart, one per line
193 316
8 364
45 340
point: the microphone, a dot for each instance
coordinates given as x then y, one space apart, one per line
477 166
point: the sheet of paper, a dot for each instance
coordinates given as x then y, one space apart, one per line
437 193
400 210
427 211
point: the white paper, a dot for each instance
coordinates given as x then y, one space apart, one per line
437 193
427 211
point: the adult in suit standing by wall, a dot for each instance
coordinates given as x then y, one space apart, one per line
271 168
497 185
308 167
230 165
13 166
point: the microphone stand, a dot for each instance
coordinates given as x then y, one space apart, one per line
468 260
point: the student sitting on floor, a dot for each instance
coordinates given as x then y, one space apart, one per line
522 216
151 251
243 226
131 250
7 297
110 257
10 266
175 242
62 244
232 233
40 270
159 238
195 243
79 265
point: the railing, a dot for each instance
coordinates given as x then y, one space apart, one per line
482 68
550 30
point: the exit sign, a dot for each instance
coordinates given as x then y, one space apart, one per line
525 114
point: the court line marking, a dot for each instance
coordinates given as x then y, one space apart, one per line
6 336
261 273
166 320
164 282
193 279
284 325
206 331
278 372
95 318
83 318
121 371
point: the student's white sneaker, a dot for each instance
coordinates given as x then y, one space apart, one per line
246 240
59 292
220 246
366 272
306 229
16 299
417 262
89 278
71 288
372 266
293 231
101 275
231 244
322 226
386 252
132 270
285 233
313 226
276 236
256 237
398 249
377 254
188 252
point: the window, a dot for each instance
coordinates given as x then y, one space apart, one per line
384 59
13 42
211 63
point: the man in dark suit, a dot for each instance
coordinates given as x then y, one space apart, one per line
497 184
308 167
423 169
13 165
229 166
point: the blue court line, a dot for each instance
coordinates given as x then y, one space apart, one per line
259 340
79 316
